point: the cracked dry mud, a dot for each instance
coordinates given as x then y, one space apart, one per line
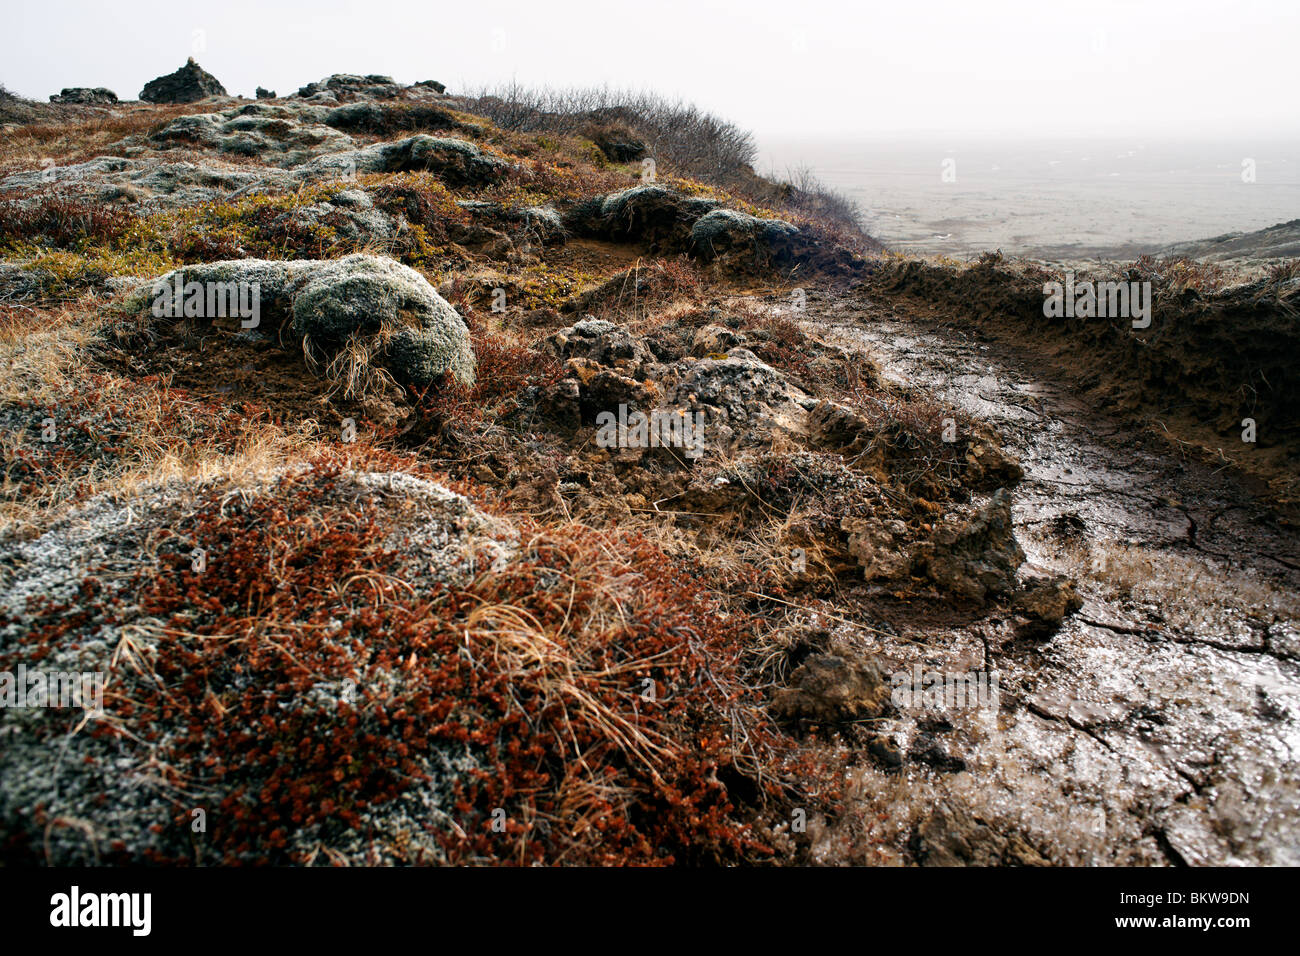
1159 724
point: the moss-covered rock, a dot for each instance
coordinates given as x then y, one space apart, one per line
351 214
454 161
722 231
347 87
423 336
388 309
670 221
649 213
365 116
278 136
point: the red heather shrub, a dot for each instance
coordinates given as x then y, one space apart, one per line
61 221
538 671
505 368
422 200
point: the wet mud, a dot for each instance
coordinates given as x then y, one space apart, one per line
1158 725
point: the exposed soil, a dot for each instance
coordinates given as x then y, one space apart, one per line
1209 360
1159 724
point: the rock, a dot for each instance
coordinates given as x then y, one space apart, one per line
350 213
367 116
589 388
372 296
1047 600
264 94
605 367
544 224
839 428
155 185
600 341
725 232
346 87
885 750
745 401
276 135
362 116
828 688
951 836
714 340
386 309
454 161
616 142
878 547
96 96
109 781
187 85
975 556
987 466
432 85
650 213
670 221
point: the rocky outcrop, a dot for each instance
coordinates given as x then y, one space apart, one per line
85 96
346 87
455 161
368 116
605 367
672 222
275 135
647 213
601 341
381 313
187 85
150 184
745 402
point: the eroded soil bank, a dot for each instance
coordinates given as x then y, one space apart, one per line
1159 723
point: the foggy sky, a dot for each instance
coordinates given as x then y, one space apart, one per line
782 69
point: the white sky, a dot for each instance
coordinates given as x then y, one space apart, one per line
831 70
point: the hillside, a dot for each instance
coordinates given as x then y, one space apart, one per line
1276 242
510 479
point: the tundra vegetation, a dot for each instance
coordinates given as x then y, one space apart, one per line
376 575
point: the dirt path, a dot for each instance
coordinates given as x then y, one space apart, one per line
1162 722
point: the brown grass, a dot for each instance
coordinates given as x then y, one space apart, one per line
84 138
